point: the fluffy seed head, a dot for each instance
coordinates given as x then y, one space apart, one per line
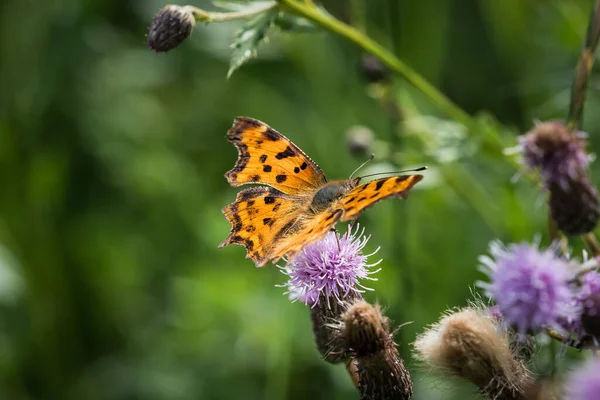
584 382
470 344
556 151
329 269
170 27
530 286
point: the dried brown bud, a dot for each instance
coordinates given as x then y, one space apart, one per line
470 344
574 207
381 372
170 27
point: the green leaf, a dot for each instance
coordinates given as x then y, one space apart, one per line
290 22
249 37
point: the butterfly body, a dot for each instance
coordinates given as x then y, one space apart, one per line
300 206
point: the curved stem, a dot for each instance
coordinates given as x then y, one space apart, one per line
330 23
211 16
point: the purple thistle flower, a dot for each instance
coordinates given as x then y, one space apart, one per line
584 382
529 286
556 151
330 269
590 284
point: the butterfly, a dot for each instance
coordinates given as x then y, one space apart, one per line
298 206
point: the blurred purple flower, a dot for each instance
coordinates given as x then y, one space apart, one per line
557 152
590 284
584 382
328 268
529 286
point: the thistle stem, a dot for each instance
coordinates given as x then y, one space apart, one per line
584 68
331 24
592 244
211 16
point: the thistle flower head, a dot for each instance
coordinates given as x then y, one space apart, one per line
170 27
556 151
530 286
331 267
583 383
583 301
471 344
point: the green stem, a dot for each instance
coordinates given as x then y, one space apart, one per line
210 16
584 68
333 25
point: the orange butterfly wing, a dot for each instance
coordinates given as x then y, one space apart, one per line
271 224
363 196
266 156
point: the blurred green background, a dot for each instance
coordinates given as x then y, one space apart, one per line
111 171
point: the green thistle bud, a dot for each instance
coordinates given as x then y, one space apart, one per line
170 27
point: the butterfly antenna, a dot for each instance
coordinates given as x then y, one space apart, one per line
372 156
395 172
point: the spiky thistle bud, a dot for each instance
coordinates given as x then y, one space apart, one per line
470 344
325 318
367 338
559 154
170 27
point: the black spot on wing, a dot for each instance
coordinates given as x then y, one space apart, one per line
276 207
255 178
263 158
269 200
249 244
380 184
288 152
250 228
271 135
296 170
280 178
267 168
304 166
402 178
250 203
268 221
350 200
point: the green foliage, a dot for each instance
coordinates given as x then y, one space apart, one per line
111 168
250 36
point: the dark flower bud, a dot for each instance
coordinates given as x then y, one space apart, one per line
574 207
373 70
170 27
326 316
381 372
591 316
359 140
